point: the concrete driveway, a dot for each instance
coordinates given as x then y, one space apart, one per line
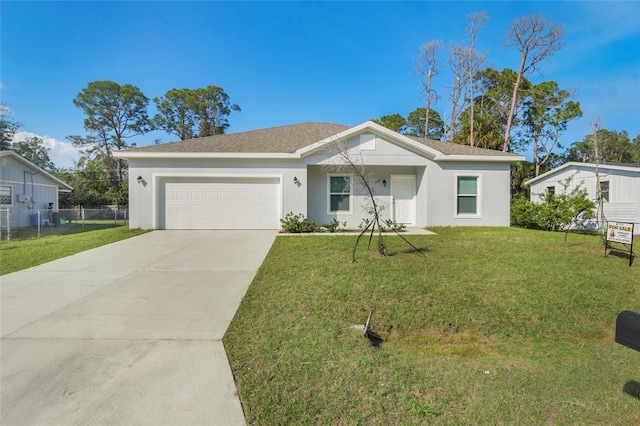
128 333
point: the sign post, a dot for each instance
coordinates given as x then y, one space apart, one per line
620 232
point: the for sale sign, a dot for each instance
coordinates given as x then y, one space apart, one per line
620 232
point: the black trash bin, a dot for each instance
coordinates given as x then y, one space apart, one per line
56 218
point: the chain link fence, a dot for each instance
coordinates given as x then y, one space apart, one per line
20 223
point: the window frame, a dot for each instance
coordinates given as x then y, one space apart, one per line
329 193
478 196
551 189
11 197
608 192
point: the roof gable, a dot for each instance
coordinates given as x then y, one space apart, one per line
634 168
20 159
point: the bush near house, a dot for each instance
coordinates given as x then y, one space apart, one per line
555 213
298 223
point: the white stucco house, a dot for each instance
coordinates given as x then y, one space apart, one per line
26 188
620 184
250 180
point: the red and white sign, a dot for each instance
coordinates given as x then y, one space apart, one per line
620 232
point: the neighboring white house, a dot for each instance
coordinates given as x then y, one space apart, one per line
26 188
250 180
620 185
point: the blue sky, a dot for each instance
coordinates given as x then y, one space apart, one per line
291 62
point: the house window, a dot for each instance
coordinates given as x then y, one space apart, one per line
340 193
604 190
6 196
551 190
467 195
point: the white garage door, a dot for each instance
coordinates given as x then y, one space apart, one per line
230 203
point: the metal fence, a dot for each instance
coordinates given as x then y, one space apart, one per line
17 223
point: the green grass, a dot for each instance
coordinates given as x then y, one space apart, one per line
63 229
24 253
496 326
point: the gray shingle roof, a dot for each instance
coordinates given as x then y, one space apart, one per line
282 139
449 148
289 139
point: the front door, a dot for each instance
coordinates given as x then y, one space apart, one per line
403 195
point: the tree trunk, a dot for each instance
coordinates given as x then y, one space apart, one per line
514 101
428 106
471 139
453 121
536 162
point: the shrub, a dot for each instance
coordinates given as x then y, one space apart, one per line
364 223
297 223
556 212
335 225
525 214
392 225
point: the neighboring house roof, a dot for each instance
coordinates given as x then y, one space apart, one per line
63 187
626 167
298 140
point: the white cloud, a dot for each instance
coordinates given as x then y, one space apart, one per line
63 154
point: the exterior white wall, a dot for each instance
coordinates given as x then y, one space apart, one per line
435 201
493 194
145 197
435 186
318 195
624 190
35 191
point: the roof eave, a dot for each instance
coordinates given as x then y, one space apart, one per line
204 155
62 187
577 164
480 158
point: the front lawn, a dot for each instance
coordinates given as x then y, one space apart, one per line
496 326
16 255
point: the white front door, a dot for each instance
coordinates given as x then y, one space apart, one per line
403 195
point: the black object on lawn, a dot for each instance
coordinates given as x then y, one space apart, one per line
628 329
374 337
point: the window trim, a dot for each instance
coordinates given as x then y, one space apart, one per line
478 213
367 142
11 194
551 189
329 193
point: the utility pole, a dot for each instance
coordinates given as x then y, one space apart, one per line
600 218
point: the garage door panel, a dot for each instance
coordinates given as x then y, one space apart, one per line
221 203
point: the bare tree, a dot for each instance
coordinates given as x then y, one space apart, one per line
427 66
458 65
344 161
475 61
535 38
